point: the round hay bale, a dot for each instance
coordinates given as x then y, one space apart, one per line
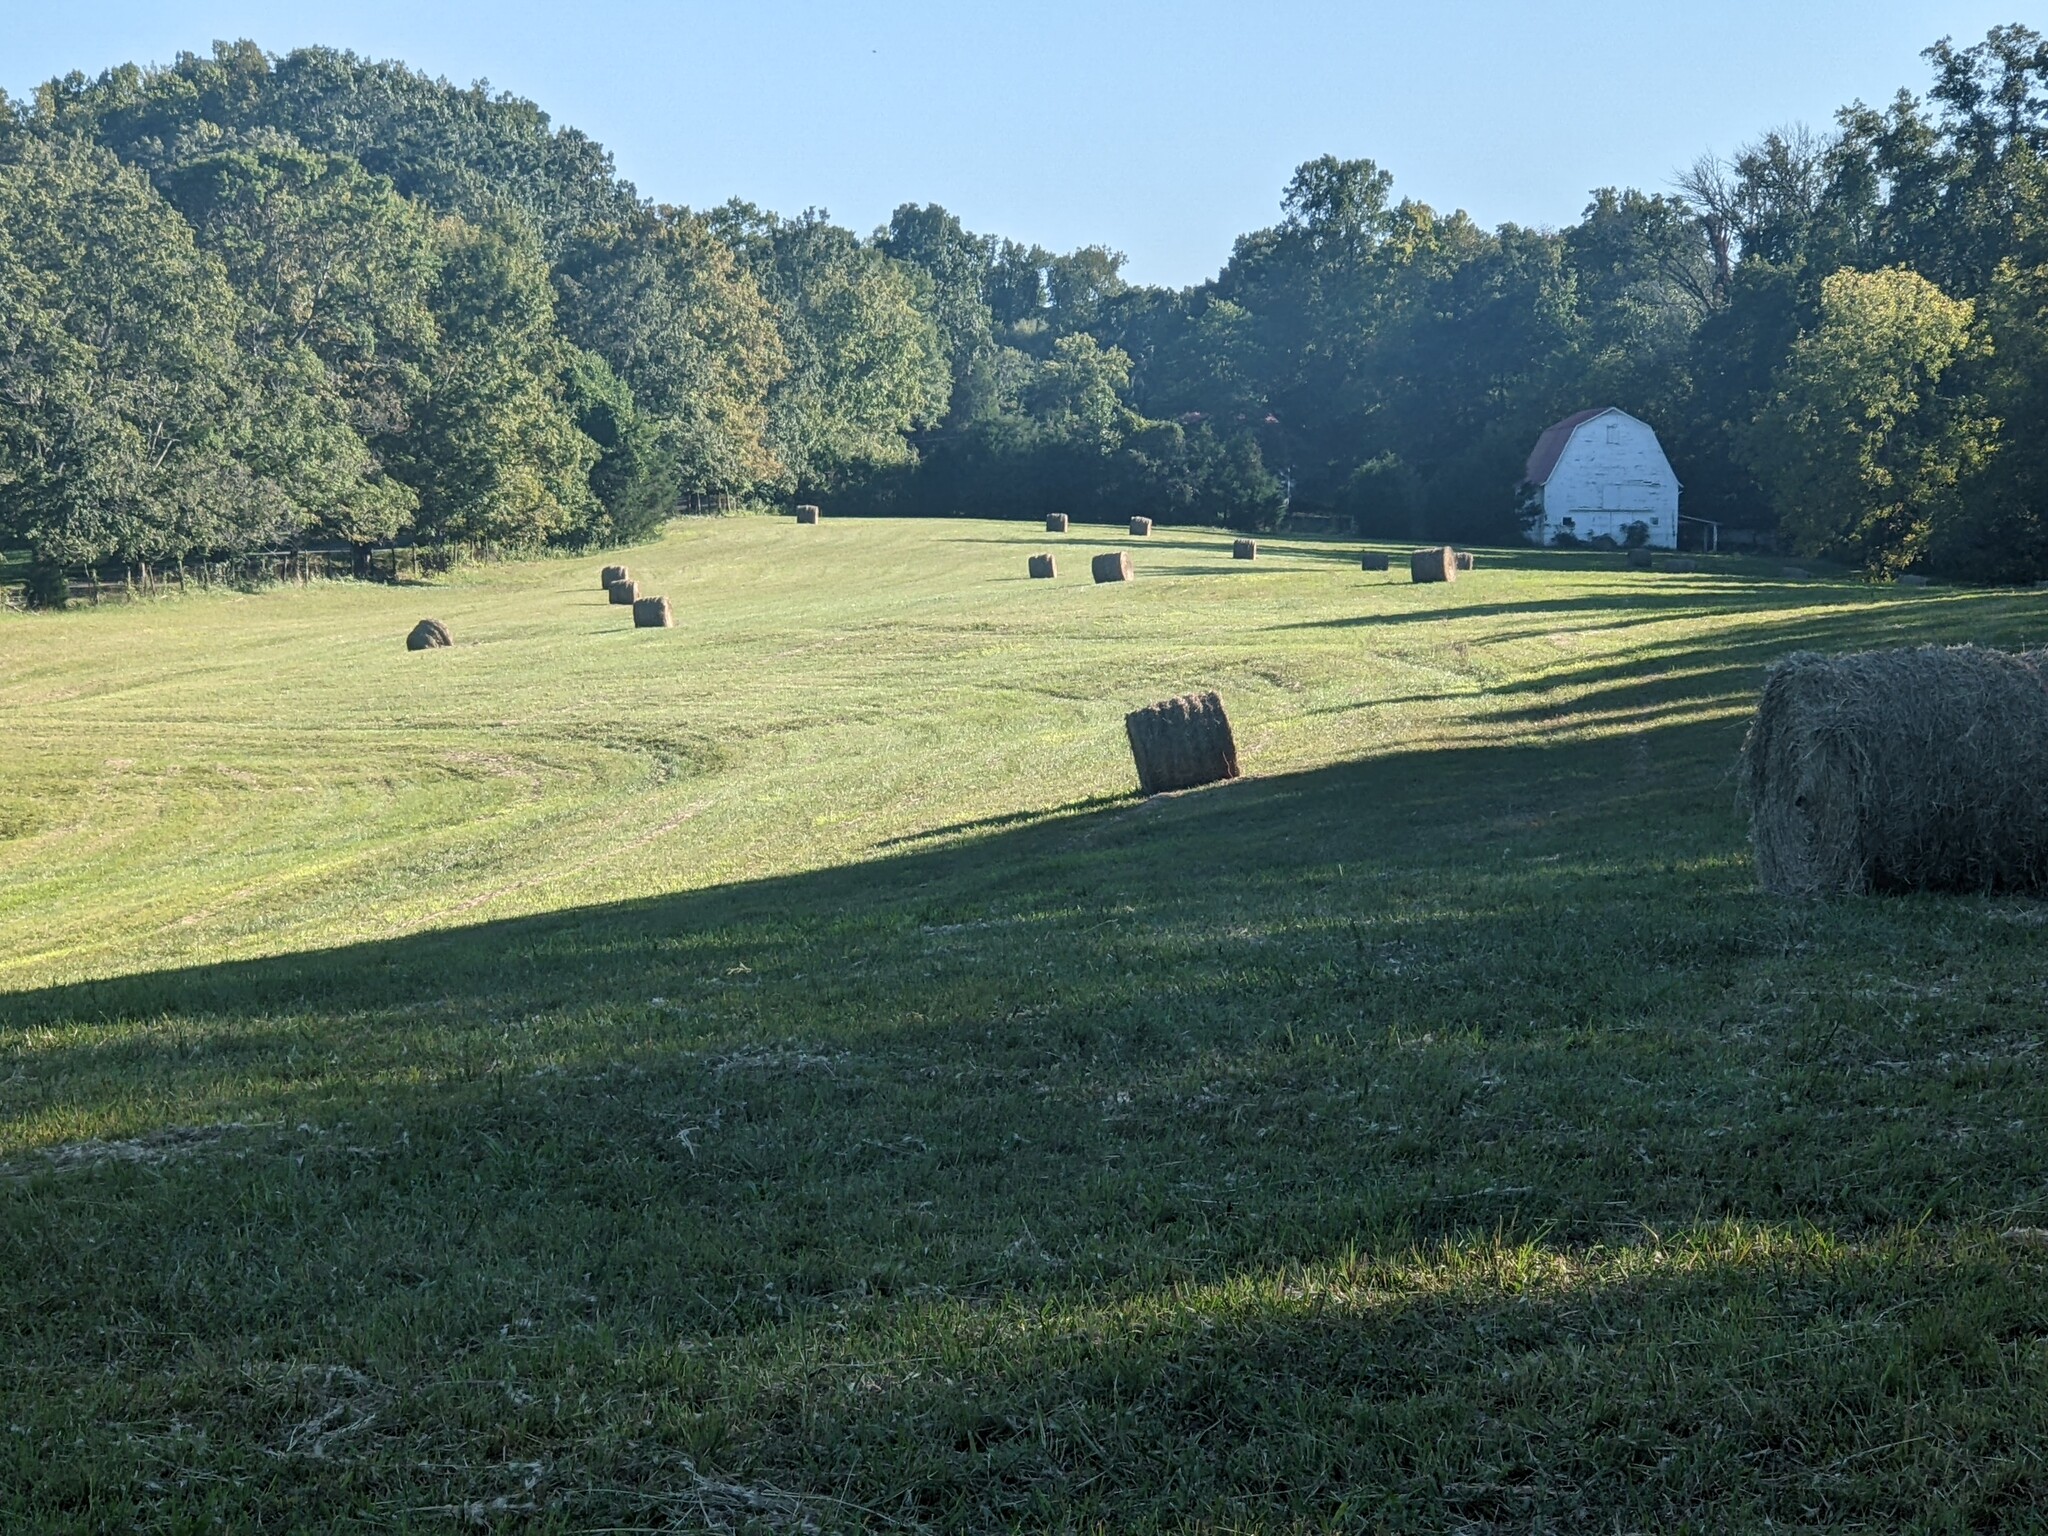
1043 568
1244 549
1899 770
614 573
1373 560
428 635
652 613
1141 527
1677 565
1055 522
1638 560
1181 742
1114 566
624 593
1463 557
808 514
1912 579
1433 565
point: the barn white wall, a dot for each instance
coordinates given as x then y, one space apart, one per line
1612 473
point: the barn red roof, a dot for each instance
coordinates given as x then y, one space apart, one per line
1543 458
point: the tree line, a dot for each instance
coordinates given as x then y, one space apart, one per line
252 301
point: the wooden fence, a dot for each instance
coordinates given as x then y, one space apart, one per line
272 567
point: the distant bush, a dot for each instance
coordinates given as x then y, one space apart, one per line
47 586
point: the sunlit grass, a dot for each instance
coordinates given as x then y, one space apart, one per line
773 1072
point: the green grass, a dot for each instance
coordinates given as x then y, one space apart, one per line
772 1074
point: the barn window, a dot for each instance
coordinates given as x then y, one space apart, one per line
1614 434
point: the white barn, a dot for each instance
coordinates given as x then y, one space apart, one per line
1597 472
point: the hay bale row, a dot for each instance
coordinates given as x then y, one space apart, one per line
807 514
1141 527
1056 522
1433 565
1043 568
1900 770
1181 743
428 635
1245 549
652 613
1373 560
1113 566
611 574
624 593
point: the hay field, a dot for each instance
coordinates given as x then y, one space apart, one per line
772 1074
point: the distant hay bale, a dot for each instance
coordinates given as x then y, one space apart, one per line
1677 565
428 635
1114 566
1463 557
624 593
1043 568
614 573
1244 549
1055 522
1433 565
652 613
1912 579
808 514
1899 770
1181 743
1639 560
1373 560
1141 527
1795 573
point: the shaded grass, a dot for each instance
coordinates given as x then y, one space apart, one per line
1432 1132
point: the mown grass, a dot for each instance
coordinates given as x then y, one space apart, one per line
772 1074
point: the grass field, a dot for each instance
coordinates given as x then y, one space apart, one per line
774 1074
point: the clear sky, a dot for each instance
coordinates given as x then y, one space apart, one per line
1162 130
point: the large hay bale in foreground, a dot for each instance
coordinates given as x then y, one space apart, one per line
1055 522
624 593
1114 566
1373 560
652 613
1181 743
1244 549
1433 565
1141 527
1043 568
1900 770
428 635
808 514
614 573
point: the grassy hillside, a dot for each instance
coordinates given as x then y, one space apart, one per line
773 1074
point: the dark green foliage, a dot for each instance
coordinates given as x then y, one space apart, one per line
1367 356
633 480
46 586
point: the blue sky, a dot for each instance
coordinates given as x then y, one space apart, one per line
1161 130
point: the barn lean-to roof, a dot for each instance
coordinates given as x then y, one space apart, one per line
1550 446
